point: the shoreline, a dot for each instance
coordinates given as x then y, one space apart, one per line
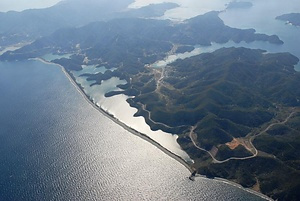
249 190
114 119
145 137
14 47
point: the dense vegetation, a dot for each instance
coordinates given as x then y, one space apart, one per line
212 99
29 25
279 175
227 95
140 41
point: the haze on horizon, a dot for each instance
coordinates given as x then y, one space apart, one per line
19 5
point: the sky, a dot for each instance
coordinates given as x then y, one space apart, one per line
19 5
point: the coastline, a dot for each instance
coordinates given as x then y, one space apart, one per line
111 117
14 47
249 190
145 137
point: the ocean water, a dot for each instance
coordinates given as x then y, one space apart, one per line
261 17
56 146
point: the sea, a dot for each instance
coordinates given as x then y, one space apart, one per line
55 146
261 17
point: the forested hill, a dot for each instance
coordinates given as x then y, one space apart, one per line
223 94
234 103
131 37
32 24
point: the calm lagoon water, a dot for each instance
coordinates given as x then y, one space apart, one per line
56 146
120 109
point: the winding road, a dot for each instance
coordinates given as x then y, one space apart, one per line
250 140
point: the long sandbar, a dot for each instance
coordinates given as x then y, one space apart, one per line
108 115
143 136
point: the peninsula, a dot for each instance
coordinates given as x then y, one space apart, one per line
293 18
229 107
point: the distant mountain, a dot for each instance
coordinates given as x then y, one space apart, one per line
150 11
293 18
31 24
130 37
222 102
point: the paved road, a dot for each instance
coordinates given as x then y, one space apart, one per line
251 140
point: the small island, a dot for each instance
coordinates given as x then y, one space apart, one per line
291 18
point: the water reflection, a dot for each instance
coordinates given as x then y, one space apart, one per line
63 149
120 109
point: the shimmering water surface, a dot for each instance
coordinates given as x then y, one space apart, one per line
120 109
55 146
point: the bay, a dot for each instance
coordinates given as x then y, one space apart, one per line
261 17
